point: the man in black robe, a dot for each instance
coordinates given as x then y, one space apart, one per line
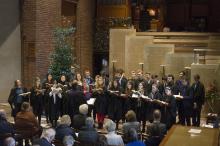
198 95
76 98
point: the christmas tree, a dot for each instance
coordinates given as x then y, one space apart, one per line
62 57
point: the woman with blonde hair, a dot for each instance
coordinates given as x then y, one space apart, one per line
101 101
36 98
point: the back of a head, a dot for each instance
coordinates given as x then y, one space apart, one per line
83 109
65 120
10 141
68 141
49 134
130 116
2 114
132 135
157 115
110 126
25 107
89 122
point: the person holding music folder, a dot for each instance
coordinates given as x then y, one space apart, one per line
115 105
142 105
64 85
156 98
130 102
47 84
139 79
178 89
36 98
122 82
100 95
169 108
79 81
18 95
187 103
54 103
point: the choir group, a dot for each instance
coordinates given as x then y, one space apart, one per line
142 93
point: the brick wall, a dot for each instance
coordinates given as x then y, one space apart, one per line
48 16
28 33
84 33
39 18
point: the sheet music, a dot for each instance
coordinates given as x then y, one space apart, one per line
178 96
91 101
134 96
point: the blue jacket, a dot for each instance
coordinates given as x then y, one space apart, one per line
64 130
5 128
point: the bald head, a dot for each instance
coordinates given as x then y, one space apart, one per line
157 115
2 113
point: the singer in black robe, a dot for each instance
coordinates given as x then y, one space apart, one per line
115 103
47 84
54 105
169 110
36 99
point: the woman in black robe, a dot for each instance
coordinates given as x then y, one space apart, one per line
47 84
115 103
99 93
142 110
36 99
130 102
63 84
79 81
54 103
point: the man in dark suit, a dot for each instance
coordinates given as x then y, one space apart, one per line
88 134
156 130
79 119
198 95
161 128
16 97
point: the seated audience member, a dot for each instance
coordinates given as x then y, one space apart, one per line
68 141
88 133
156 130
102 141
131 122
26 124
79 120
64 128
6 128
10 141
112 137
133 138
46 138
